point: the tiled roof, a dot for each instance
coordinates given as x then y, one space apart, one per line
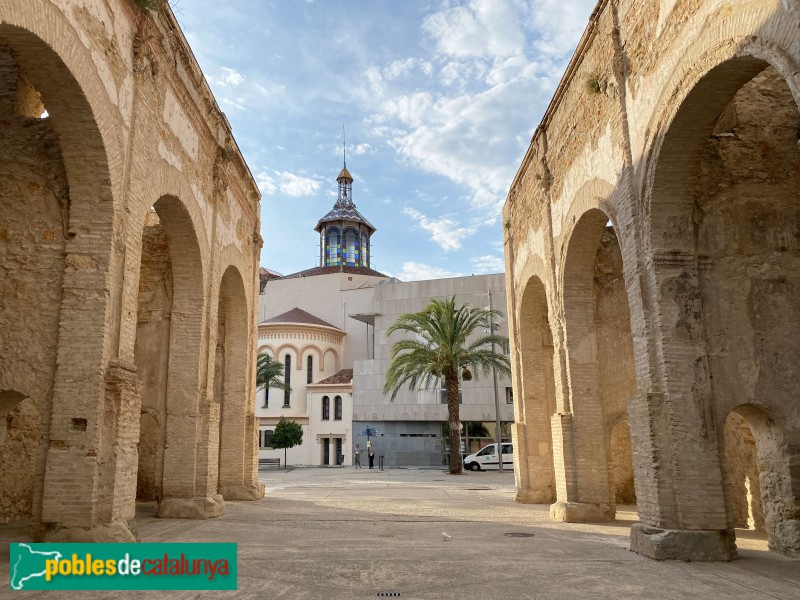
344 269
343 376
298 315
344 212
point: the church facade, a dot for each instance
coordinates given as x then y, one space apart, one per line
327 326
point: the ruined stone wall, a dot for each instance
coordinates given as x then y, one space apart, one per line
109 335
32 240
615 357
667 122
151 355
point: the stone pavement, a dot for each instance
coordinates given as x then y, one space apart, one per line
345 533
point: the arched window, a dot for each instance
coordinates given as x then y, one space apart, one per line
309 368
337 408
364 250
326 408
333 247
351 253
287 376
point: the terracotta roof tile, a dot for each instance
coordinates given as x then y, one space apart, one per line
298 315
343 376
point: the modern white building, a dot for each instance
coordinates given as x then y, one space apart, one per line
328 326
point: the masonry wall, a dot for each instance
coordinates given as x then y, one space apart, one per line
678 120
34 210
131 125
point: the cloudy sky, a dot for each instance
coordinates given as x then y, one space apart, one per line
439 99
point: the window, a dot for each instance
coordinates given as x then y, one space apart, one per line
337 410
287 376
326 408
364 250
265 438
508 449
333 247
487 451
443 396
509 395
310 369
351 251
266 397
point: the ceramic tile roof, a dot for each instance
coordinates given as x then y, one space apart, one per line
344 212
298 315
341 377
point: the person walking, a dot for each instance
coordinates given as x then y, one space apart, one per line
357 456
371 456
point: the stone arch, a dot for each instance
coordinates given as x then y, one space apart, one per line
169 355
721 225
759 463
535 404
600 367
232 393
57 173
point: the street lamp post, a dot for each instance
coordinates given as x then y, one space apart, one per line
496 399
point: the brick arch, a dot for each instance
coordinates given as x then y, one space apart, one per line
236 460
599 359
47 51
534 397
776 483
689 232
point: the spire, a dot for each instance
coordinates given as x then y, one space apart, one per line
345 180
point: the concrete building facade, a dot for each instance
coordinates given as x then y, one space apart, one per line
652 253
129 248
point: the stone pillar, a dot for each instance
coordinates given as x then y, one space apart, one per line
681 507
110 518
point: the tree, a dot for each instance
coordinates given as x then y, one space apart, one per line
269 373
288 434
441 347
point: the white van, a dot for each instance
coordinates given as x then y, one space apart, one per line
486 458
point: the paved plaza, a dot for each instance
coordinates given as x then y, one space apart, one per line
346 533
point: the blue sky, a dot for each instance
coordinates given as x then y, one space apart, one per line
439 100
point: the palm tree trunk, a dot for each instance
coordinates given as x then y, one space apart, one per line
453 409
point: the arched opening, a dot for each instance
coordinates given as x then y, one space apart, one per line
600 366
622 463
743 475
231 392
760 490
725 211
167 355
536 405
55 204
351 248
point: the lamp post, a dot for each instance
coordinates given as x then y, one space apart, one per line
494 385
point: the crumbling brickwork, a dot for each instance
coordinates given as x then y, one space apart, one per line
128 228
677 123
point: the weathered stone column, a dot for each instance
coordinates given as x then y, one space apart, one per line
676 430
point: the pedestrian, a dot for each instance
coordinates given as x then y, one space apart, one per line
371 456
357 456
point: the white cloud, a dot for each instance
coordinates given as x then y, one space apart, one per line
360 149
481 28
287 183
558 24
230 77
405 66
414 271
488 264
444 230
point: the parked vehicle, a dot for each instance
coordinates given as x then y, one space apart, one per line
486 458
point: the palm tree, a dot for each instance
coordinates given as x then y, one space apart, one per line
269 373
440 348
